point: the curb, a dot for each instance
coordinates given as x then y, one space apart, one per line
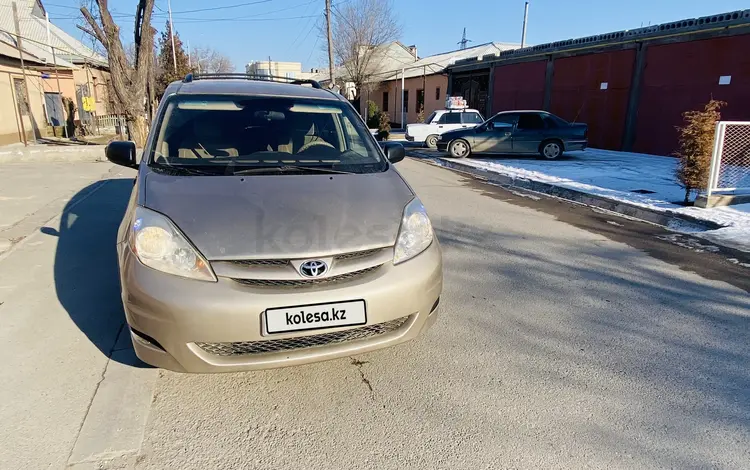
664 218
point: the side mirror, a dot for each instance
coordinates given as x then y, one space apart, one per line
122 153
394 152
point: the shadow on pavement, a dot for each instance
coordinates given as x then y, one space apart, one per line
86 273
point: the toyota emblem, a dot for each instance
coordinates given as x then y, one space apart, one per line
313 268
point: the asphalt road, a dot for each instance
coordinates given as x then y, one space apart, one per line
567 339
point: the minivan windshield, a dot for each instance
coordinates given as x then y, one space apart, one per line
204 135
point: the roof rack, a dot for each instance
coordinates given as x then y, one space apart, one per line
191 77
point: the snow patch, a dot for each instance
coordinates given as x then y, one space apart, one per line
614 175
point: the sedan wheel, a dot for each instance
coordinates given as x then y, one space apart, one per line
551 150
431 141
459 149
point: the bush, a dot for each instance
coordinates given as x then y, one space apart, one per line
420 115
384 126
696 141
373 115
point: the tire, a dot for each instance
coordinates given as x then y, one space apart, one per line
551 149
431 141
459 148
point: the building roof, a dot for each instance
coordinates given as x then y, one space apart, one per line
391 56
8 48
439 62
33 26
720 21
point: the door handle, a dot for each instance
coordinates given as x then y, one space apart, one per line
440 127
507 133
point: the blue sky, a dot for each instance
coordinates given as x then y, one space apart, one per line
286 29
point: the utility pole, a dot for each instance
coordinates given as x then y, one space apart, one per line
190 60
464 41
23 69
403 79
57 74
330 42
270 73
525 21
171 34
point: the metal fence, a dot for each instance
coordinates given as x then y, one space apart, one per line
110 120
730 162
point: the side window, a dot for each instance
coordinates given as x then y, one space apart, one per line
443 118
530 121
472 118
452 118
549 122
507 118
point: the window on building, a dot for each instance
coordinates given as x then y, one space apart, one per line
437 93
420 100
289 74
20 87
406 101
385 101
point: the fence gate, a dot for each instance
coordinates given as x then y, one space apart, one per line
730 162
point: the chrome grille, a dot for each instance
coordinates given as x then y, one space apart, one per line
302 342
261 262
358 254
305 282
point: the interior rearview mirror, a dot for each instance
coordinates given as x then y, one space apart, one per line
122 153
394 151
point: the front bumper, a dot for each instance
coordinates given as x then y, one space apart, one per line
442 145
169 315
409 138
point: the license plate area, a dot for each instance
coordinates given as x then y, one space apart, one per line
315 317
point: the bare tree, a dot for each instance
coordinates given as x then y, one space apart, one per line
130 79
360 28
209 60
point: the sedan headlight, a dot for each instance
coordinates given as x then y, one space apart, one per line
415 234
160 245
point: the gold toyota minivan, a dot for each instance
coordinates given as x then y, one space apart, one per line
267 228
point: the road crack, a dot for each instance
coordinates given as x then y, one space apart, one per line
358 364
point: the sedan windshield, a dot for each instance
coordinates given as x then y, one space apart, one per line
227 135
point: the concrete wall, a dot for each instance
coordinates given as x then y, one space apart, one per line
10 124
412 85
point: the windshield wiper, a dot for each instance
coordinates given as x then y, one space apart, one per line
285 168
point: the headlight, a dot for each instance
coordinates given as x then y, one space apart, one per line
160 245
415 234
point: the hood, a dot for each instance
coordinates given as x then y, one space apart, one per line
281 216
416 126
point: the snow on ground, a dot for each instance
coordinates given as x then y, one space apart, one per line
616 175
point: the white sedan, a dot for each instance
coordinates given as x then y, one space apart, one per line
440 121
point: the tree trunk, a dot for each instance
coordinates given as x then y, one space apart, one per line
138 130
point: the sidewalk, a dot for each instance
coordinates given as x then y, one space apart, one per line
36 152
638 185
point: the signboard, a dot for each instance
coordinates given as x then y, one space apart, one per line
88 104
455 102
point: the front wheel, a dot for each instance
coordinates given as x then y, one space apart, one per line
551 149
431 141
459 149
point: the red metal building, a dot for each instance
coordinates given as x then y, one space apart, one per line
630 87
